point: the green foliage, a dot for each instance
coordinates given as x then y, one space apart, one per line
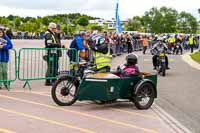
196 57
161 20
17 22
83 21
45 21
68 29
11 17
95 27
187 23
134 24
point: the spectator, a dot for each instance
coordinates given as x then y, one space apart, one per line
58 33
128 42
199 42
5 45
145 44
52 56
9 33
191 43
77 44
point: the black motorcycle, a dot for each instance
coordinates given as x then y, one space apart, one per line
178 49
161 63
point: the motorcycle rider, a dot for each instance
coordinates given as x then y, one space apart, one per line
157 48
101 54
171 42
178 43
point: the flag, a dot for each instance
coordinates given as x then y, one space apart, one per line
117 19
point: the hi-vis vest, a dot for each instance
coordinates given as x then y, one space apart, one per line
102 60
171 40
53 41
191 41
52 37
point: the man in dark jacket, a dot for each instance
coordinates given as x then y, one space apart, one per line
52 57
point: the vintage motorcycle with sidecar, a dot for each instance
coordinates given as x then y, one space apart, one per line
86 84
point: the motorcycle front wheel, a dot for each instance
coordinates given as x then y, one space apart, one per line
64 91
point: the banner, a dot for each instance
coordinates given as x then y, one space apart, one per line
118 22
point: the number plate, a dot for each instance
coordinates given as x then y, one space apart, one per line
162 54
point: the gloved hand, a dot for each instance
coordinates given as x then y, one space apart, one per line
119 70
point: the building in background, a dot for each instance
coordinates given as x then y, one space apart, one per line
111 24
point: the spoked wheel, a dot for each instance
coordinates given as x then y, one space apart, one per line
144 97
64 91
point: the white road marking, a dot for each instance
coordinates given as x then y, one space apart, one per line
174 124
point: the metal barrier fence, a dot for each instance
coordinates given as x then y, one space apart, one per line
8 68
43 63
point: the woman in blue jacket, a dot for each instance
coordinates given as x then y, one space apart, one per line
5 45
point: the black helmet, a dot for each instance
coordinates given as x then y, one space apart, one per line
131 59
99 44
103 48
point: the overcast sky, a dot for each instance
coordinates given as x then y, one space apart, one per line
98 8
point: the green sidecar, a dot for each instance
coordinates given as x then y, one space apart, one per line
105 87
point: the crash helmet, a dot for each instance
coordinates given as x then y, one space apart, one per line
98 40
131 59
99 43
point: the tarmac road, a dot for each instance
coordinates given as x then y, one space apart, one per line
179 91
34 111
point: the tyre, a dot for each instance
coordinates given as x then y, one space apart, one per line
163 68
144 97
64 91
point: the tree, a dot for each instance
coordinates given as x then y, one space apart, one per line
83 21
45 21
4 21
95 27
26 19
11 17
134 24
186 23
161 20
17 22
68 29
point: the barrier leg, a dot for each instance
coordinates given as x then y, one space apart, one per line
8 86
27 83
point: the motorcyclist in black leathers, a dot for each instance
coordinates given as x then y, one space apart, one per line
159 46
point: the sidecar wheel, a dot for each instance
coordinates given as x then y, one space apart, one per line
144 97
64 91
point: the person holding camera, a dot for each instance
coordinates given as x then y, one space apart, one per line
5 45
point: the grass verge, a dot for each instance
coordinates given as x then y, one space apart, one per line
196 57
